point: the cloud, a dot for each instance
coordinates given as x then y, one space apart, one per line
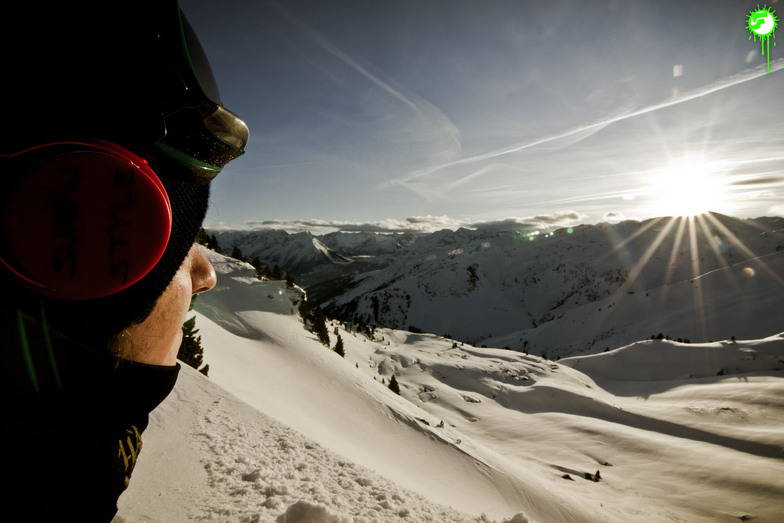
541 221
776 210
414 224
614 217
761 180
429 126
434 221
763 194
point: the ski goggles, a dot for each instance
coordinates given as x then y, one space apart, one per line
199 132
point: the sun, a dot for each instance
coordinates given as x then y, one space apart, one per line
687 187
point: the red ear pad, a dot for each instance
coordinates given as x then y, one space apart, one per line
86 223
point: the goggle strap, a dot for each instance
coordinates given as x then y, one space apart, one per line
201 168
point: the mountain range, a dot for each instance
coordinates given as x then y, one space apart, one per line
557 293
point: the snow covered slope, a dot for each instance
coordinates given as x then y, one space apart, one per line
652 431
211 457
745 300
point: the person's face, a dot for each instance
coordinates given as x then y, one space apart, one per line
156 340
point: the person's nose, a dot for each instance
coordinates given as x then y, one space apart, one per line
203 276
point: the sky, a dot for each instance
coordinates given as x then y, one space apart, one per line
402 115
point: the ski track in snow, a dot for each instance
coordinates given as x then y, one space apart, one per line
267 472
257 470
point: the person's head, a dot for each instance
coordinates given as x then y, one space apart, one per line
113 130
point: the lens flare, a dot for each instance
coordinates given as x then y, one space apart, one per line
698 237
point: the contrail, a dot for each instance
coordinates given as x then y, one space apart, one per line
739 79
424 111
340 55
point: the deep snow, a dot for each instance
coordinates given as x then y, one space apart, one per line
677 432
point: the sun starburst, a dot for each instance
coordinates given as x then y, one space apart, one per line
688 187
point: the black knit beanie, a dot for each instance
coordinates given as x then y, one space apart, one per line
77 70
95 322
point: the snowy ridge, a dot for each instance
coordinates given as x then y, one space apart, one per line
367 244
743 301
652 431
293 252
650 360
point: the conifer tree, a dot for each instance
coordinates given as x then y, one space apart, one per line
190 349
262 271
207 240
236 253
393 386
202 238
320 326
305 310
191 352
213 244
339 347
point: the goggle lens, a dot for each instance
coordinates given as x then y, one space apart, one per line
199 63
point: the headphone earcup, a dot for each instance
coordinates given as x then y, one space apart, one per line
85 220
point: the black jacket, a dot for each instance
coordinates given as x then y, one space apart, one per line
72 420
